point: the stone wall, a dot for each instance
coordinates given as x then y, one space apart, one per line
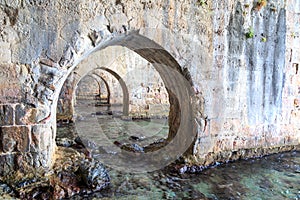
251 102
240 59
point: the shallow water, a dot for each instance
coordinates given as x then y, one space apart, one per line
271 177
104 126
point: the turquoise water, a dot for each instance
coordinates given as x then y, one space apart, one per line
273 177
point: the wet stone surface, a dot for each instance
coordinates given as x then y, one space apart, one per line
106 127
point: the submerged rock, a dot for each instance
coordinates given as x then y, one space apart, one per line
94 175
64 142
132 148
65 136
136 138
5 190
78 174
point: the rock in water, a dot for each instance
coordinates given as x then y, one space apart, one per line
132 148
94 174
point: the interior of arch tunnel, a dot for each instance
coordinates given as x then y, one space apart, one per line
158 93
103 96
132 108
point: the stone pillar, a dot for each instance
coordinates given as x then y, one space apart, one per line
27 137
24 143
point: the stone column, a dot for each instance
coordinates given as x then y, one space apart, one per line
26 136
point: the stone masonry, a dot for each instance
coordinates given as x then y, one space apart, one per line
240 62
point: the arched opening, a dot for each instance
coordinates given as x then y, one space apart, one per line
101 101
124 89
104 94
88 88
178 84
93 87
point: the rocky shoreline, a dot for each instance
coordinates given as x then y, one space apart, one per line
73 173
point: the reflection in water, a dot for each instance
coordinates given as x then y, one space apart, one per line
272 177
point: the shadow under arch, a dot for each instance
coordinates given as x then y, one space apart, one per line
96 77
182 122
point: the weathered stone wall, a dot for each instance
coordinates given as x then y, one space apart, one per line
246 89
252 99
291 91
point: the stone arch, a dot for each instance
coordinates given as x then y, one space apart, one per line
124 89
66 101
100 79
183 127
106 86
122 84
70 114
94 78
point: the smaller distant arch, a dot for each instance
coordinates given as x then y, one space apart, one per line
123 86
106 86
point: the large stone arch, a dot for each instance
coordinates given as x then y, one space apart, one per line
92 77
81 75
40 54
183 126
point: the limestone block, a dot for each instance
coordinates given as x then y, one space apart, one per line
239 142
223 144
5 52
99 23
38 159
14 139
30 115
6 115
7 163
67 58
205 145
215 126
10 86
118 23
41 138
25 114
